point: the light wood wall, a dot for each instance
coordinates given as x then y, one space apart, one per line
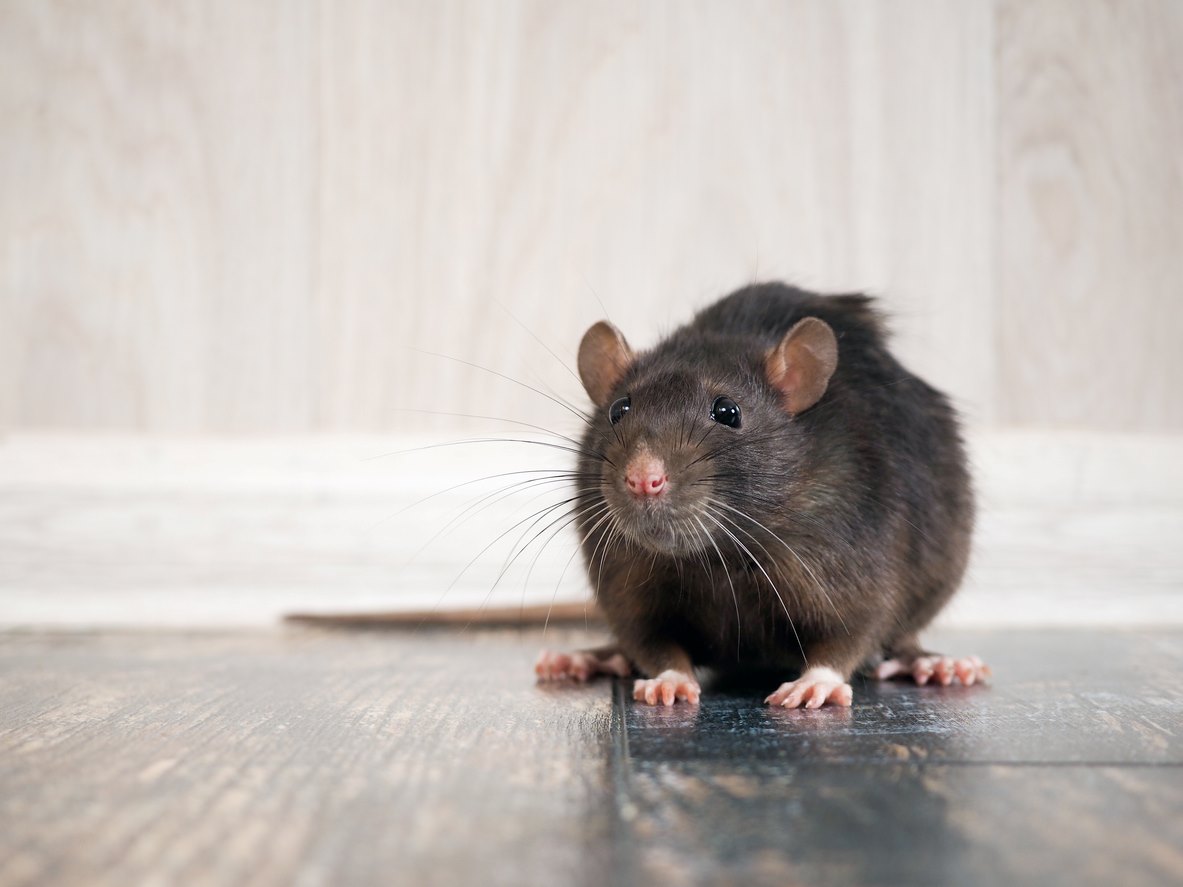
256 216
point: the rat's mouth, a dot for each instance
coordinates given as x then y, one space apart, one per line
661 529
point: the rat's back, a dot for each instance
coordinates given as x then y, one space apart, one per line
769 310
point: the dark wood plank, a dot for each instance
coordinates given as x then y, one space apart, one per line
1065 770
357 757
700 822
297 757
1057 697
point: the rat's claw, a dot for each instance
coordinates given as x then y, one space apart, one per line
816 687
667 688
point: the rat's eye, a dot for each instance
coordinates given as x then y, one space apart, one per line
725 411
619 407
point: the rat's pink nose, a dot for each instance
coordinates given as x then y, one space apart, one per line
646 476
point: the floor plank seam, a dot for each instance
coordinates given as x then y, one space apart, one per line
624 808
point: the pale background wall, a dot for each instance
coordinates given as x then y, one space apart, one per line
235 216
220 218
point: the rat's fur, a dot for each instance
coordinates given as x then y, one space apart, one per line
825 538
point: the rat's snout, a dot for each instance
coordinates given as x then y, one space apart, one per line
645 475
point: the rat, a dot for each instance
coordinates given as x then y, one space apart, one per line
768 488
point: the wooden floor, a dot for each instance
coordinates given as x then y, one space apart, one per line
304 757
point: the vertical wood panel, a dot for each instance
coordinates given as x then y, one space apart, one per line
1091 164
652 156
236 216
155 214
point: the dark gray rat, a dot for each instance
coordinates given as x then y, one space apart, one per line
768 488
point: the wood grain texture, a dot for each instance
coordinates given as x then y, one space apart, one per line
248 217
644 159
1091 274
296 759
724 823
244 217
157 201
362 757
1067 768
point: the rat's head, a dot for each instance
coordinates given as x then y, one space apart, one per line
697 438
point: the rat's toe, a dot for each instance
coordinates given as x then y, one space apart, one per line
971 670
923 669
944 670
667 688
813 689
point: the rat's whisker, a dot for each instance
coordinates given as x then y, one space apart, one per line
480 503
591 454
614 534
607 516
497 539
701 548
727 446
505 567
537 339
542 429
550 473
588 512
500 375
793 552
828 532
775 590
581 493
734 597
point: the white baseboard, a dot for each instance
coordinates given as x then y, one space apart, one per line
1075 529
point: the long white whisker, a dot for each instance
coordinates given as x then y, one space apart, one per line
727 573
772 584
477 366
590 512
607 515
791 551
514 555
537 339
514 551
541 429
479 504
498 538
550 473
612 535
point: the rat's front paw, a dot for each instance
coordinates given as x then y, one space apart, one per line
666 688
814 688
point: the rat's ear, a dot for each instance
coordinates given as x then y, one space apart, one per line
801 365
604 356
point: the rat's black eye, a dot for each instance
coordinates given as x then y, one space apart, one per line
725 411
619 407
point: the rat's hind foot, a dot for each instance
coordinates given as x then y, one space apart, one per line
666 688
815 687
932 667
582 665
